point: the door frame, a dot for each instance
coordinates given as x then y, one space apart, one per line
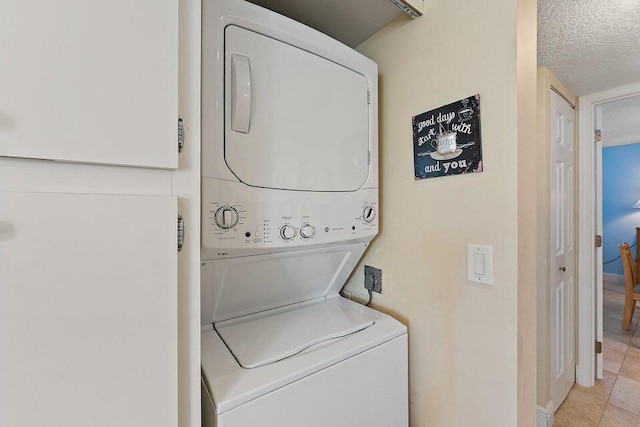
586 368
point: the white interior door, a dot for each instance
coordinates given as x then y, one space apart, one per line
563 263
90 81
88 310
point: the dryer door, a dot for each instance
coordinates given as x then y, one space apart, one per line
293 120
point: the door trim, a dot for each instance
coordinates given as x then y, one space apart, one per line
544 415
585 370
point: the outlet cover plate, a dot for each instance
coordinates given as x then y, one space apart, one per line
376 274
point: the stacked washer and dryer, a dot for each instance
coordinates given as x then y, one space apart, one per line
289 205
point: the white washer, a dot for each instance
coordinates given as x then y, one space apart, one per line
289 200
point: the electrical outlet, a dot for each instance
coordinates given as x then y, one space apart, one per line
373 279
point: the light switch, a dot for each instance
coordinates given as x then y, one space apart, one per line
480 264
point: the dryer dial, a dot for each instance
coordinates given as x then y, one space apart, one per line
287 232
307 231
226 217
368 214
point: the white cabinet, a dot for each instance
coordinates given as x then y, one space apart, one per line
90 81
88 310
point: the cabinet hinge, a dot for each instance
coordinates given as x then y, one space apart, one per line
368 157
597 136
180 134
598 241
368 97
598 347
180 232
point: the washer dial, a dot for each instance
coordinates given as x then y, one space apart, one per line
287 232
307 231
368 214
226 217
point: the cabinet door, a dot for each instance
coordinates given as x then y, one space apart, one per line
88 310
90 81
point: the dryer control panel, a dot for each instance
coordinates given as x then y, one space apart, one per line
239 220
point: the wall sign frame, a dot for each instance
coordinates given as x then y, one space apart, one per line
447 140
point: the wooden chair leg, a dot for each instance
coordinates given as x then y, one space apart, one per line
629 304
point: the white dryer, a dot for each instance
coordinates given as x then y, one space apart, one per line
289 205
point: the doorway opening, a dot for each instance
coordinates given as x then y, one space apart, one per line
590 254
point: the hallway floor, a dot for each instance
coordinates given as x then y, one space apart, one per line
614 400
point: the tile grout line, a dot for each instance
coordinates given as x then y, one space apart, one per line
618 375
617 339
606 403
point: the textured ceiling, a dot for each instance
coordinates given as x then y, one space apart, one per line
590 45
621 121
350 22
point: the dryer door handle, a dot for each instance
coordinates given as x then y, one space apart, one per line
240 93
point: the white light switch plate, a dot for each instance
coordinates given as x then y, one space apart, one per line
480 264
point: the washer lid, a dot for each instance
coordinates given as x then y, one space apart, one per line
265 338
240 286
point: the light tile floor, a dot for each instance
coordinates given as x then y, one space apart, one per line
614 400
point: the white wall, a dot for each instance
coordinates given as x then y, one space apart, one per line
463 336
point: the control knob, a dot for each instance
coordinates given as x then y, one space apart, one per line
368 214
226 217
307 231
287 232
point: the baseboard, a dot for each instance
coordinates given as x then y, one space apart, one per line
615 278
544 416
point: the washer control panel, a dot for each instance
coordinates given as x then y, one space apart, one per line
241 220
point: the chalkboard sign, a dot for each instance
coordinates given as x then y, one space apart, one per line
447 140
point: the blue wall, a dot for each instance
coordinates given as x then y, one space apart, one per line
620 191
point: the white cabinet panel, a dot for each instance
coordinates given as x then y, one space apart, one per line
88 310
90 81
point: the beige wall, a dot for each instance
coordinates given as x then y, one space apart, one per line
464 337
528 184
